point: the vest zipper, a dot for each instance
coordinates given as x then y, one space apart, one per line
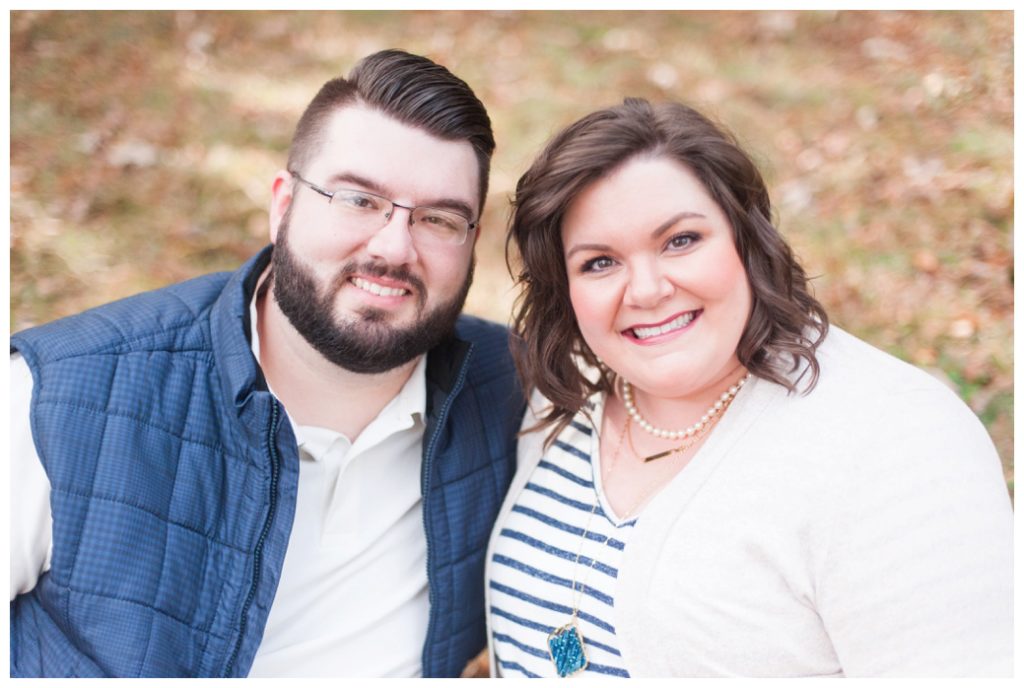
275 467
428 460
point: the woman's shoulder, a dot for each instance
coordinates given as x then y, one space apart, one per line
853 370
872 421
868 402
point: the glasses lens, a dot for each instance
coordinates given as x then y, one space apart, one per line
440 225
360 211
367 212
359 203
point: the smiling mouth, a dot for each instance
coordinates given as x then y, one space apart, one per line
677 323
377 289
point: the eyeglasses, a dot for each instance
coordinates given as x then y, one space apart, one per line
361 211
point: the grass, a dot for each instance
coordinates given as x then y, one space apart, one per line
142 145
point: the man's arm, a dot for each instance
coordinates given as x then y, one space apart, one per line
31 521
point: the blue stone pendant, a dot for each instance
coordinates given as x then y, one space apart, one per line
567 652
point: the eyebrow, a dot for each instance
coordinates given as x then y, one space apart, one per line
658 231
454 204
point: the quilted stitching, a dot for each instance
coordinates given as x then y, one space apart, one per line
142 441
133 431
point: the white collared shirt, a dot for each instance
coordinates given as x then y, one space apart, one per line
352 600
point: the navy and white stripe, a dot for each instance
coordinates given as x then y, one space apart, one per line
534 563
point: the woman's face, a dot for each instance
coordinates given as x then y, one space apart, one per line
658 289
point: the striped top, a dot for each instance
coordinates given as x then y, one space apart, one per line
534 562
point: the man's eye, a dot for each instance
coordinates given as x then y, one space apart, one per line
442 223
439 221
356 201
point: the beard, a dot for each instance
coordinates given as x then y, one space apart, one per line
368 343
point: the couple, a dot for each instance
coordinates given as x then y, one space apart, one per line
314 465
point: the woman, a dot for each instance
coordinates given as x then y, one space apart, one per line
714 480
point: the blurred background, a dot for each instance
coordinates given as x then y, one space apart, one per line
143 146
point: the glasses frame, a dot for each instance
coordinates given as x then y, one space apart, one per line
330 197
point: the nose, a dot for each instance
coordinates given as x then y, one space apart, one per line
393 243
648 286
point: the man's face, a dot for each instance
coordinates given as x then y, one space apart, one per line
371 301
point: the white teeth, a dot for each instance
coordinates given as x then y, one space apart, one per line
374 288
677 324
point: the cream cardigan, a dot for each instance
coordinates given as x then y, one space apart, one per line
864 529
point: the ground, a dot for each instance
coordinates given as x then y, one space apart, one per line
143 144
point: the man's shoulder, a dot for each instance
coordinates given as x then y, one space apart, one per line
490 342
129 322
490 361
474 329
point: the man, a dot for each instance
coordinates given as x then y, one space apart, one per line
292 469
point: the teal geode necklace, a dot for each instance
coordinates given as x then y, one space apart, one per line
566 644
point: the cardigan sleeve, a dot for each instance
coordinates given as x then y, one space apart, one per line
916 578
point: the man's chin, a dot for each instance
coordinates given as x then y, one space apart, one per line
379 316
370 347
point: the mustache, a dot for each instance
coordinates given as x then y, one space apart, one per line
400 273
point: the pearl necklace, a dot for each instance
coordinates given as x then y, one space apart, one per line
722 402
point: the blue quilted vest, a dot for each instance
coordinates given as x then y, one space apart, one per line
173 473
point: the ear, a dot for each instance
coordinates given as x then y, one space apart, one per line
280 200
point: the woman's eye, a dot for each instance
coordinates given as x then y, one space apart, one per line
597 264
681 241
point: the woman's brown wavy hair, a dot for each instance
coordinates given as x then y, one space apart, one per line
786 322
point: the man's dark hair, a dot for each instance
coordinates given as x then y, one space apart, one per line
411 89
786 322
